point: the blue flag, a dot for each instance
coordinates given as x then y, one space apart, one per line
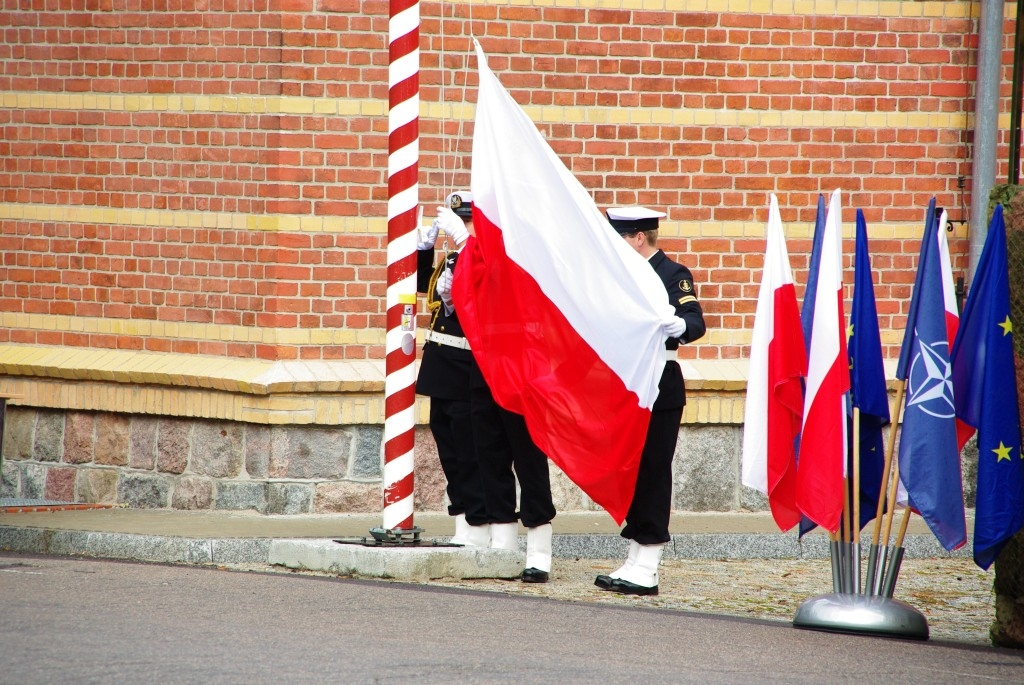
807 312
928 455
985 392
867 378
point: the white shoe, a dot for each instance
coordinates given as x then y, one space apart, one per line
605 581
505 536
538 548
642 577
478 536
634 548
461 530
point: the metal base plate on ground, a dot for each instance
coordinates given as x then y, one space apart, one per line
862 614
394 538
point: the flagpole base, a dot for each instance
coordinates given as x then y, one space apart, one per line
862 615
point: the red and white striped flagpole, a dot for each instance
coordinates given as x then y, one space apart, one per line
403 199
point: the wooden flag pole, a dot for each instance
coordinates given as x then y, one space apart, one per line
856 475
890 448
892 570
846 511
891 513
873 575
907 513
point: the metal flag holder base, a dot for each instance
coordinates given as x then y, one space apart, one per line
862 614
394 538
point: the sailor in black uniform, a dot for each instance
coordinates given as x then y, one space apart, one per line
507 453
647 520
445 371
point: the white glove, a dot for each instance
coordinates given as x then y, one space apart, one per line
427 237
444 290
674 327
452 224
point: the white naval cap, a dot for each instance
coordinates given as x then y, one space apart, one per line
460 202
633 219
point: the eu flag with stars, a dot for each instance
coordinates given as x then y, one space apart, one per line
985 395
867 378
928 456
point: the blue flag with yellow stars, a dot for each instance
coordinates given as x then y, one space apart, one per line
985 397
867 378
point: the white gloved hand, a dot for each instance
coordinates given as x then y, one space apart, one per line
452 224
674 327
444 290
426 237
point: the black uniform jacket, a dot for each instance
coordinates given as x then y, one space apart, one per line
444 370
682 293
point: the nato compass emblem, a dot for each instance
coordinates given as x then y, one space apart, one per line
929 382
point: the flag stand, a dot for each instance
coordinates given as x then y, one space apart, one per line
861 614
868 609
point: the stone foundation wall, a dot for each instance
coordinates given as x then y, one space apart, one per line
181 463
158 462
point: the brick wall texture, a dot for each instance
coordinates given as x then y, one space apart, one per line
176 173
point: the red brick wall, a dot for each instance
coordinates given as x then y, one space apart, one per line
241 161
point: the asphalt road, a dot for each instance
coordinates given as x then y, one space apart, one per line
72 620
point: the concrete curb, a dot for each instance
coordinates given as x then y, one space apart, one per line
414 563
215 550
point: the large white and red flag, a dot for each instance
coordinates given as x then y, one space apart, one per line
820 471
778 361
963 430
564 318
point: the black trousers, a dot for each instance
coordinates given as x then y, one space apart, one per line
507 453
450 424
647 519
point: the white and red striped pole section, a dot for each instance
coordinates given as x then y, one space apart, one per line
403 200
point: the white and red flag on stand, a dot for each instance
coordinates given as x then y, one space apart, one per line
774 406
564 318
823 448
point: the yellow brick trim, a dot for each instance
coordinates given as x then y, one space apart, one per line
793 231
188 219
378 226
539 114
247 376
204 403
863 8
193 331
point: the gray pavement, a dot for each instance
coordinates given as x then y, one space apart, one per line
74 620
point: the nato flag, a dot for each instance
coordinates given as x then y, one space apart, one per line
867 378
928 456
985 395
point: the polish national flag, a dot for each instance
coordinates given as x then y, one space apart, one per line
948 290
774 406
963 430
563 317
823 437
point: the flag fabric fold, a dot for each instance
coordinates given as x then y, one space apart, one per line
822 461
564 319
868 392
985 396
963 431
807 313
774 402
929 459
